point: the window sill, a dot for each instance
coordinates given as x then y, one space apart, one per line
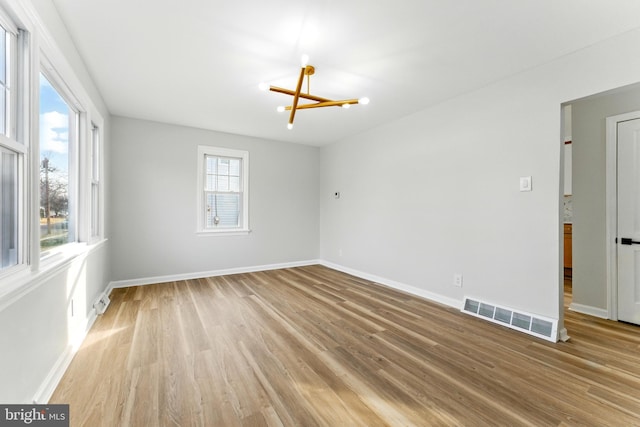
234 232
50 259
15 284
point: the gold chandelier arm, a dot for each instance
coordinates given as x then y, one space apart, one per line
308 70
324 104
301 95
296 97
328 104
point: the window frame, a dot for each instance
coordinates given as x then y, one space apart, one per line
96 227
76 159
203 152
13 79
13 140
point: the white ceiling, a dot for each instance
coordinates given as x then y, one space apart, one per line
198 62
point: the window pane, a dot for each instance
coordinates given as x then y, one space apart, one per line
222 210
3 56
228 206
234 184
94 215
95 205
223 183
95 154
3 110
211 165
55 117
223 166
4 84
9 209
211 183
234 167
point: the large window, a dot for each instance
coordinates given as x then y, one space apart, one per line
58 178
222 190
50 152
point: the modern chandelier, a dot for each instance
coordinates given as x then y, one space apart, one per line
308 70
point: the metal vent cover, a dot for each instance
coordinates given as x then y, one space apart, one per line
535 325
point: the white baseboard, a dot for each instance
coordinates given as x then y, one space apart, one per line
591 311
451 302
51 381
431 296
188 276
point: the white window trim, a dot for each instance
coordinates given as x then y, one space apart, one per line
16 142
206 150
95 178
38 49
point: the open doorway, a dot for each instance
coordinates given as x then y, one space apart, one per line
589 282
567 216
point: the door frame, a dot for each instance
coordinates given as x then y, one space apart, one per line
611 143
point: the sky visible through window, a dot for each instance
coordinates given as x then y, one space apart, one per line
54 127
54 166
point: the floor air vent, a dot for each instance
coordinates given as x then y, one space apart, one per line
531 324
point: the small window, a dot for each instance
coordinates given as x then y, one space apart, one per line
223 190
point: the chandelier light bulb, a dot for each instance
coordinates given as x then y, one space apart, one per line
289 126
346 105
280 109
305 60
263 86
363 101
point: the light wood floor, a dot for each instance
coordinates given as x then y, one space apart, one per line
314 347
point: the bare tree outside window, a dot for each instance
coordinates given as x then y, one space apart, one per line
55 126
54 200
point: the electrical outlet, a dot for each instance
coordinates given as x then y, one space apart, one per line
457 280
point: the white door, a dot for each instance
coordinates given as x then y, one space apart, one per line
628 242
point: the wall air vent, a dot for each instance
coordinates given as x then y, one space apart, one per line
535 325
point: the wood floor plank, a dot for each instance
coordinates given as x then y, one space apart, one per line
311 346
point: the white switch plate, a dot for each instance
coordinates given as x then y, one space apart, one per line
457 280
525 183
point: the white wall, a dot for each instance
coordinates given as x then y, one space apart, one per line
437 192
589 197
154 205
38 331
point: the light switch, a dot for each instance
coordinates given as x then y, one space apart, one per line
525 183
